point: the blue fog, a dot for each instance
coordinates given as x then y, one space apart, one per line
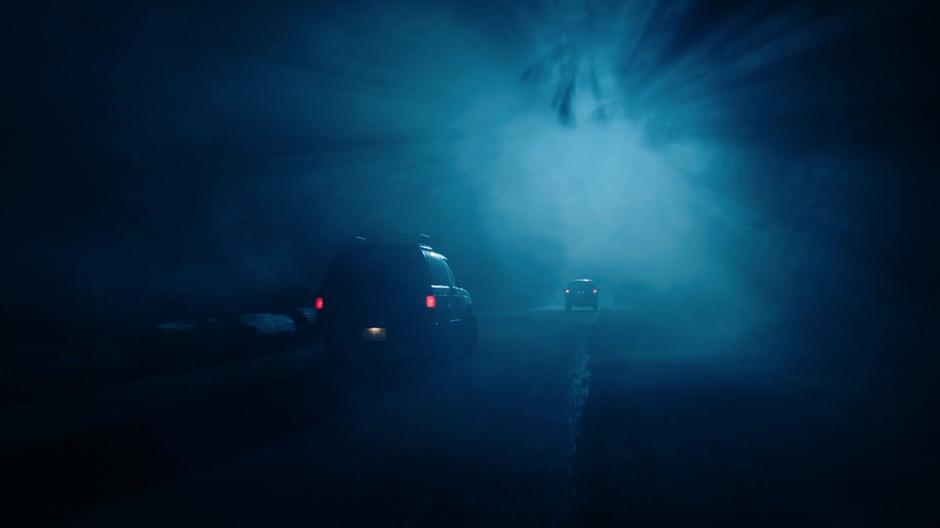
708 157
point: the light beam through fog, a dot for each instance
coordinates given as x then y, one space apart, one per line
647 145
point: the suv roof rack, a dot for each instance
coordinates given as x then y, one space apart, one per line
402 238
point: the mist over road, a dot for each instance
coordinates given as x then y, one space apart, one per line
757 158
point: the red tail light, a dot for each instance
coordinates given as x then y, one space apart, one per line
430 302
318 304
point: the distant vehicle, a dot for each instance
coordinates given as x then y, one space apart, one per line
581 292
383 292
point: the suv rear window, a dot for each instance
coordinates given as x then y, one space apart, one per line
377 269
441 275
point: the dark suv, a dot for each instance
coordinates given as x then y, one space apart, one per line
581 292
382 292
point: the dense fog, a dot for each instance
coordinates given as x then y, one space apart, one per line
749 161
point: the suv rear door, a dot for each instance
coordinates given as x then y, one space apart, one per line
371 284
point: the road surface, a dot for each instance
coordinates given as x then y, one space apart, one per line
623 417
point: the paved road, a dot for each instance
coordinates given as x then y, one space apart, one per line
623 417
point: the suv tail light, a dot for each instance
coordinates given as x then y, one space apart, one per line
430 302
318 304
